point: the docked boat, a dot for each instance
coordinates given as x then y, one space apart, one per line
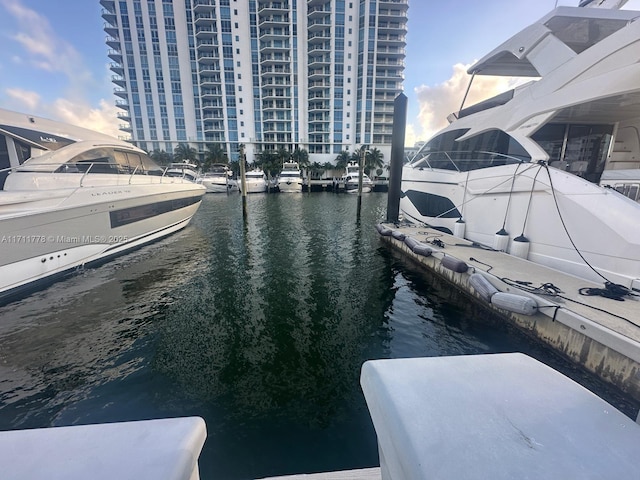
184 169
350 180
290 178
78 201
218 179
256 181
549 171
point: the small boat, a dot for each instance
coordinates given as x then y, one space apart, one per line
350 179
78 201
548 171
290 178
218 179
256 181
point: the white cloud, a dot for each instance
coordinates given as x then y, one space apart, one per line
49 54
101 119
24 97
437 102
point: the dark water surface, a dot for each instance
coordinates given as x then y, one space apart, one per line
259 326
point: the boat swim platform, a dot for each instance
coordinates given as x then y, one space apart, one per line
600 334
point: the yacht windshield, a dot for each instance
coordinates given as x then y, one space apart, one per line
488 149
109 160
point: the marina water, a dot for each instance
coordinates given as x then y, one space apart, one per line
257 323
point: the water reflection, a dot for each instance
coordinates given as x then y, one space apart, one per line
284 330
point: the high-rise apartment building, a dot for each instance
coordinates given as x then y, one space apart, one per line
269 74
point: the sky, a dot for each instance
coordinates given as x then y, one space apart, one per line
54 64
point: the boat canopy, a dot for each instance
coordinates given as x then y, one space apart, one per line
553 40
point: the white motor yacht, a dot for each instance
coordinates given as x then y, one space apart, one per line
526 172
350 179
89 199
183 169
218 179
256 181
290 178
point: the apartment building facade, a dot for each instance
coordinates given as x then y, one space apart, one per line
319 75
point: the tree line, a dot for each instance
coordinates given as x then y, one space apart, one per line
270 161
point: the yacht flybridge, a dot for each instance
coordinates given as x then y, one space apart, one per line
549 171
76 197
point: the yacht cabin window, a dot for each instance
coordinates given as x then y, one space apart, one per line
487 149
108 160
576 148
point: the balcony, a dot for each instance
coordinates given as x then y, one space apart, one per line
115 55
123 104
203 5
118 80
202 19
120 92
272 7
116 68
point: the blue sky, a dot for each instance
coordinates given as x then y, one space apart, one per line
54 60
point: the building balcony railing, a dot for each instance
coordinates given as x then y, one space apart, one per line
111 30
276 20
115 55
118 80
264 7
206 32
109 15
203 5
204 19
208 57
117 68
121 92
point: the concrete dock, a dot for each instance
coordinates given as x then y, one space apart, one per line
600 334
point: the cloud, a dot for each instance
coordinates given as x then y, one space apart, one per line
42 49
24 97
100 119
437 102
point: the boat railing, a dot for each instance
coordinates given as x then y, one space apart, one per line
85 173
463 161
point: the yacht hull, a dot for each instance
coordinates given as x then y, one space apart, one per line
290 187
253 187
215 187
570 223
40 246
353 188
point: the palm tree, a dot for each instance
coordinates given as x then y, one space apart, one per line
161 157
271 163
283 155
301 156
215 154
341 160
373 160
184 153
316 169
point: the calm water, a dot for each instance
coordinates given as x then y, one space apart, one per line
260 326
